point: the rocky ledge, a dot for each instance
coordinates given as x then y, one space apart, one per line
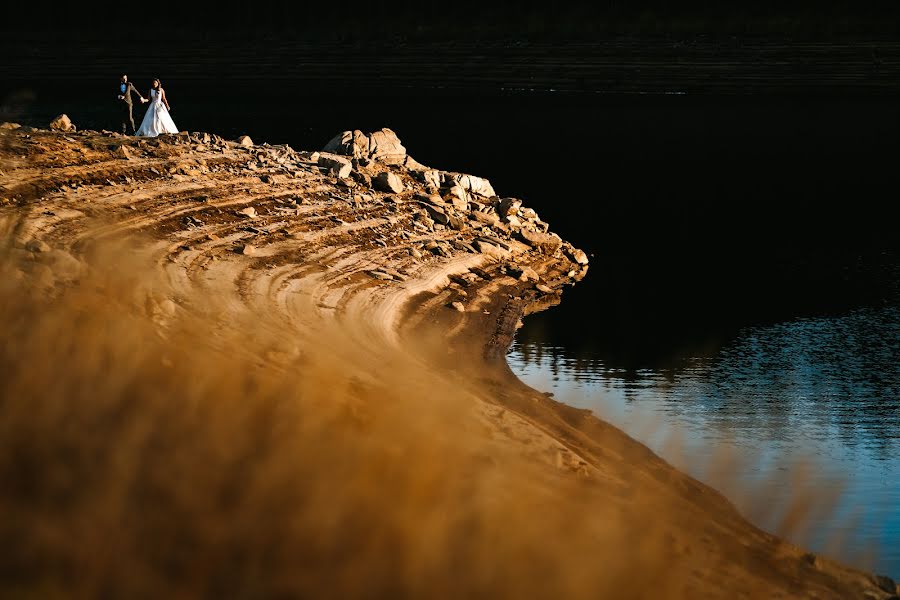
381 224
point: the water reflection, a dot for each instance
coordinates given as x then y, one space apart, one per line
824 389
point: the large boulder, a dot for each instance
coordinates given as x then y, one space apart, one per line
62 123
349 143
388 182
383 146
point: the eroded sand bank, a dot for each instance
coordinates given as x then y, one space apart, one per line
359 304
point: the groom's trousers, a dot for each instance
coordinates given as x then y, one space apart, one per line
127 118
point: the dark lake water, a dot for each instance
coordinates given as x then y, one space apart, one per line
743 293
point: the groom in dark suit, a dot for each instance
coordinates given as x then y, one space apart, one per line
126 88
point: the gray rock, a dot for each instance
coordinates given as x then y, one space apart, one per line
388 182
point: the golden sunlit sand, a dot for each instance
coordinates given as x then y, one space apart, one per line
202 402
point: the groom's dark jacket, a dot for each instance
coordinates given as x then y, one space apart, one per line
129 89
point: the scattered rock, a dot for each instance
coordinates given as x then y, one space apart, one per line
361 178
543 241
124 153
577 255
388 182
491 249
437 214
37 246
431 179
509 206
458 197
338 166
62 123
245 141
271 179
248 212
381 275
483 217
524 273
246 250
513 221
456 223
458 306
543 288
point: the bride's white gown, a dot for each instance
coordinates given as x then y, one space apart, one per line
157 119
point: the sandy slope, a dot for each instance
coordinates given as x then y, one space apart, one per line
322 250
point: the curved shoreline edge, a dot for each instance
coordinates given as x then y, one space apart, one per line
361 232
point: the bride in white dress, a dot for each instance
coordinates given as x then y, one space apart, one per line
157 119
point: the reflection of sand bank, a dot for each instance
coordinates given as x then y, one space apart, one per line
178 418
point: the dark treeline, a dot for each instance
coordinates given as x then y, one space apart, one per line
455 20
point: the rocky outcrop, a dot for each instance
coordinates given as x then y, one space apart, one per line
383 146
